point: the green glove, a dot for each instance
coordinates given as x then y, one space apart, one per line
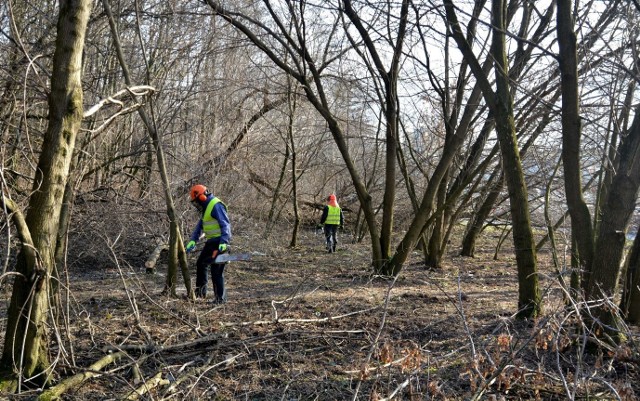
191 245
222 248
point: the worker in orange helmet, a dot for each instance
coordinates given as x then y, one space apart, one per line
332 218
217 230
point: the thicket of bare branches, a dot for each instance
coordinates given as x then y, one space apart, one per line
391 106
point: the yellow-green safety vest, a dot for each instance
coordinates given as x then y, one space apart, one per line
333 215
210 226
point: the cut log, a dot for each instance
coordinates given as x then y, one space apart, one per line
150 264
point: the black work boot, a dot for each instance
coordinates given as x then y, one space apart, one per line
201 292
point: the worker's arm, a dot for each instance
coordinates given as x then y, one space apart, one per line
325 213
195 235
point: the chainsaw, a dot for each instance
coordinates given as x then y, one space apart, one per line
230 257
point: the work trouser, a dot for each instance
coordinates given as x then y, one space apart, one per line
331 234
217 272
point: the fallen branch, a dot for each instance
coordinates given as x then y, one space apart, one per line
56 391
142 348
320 320
397 390
374 368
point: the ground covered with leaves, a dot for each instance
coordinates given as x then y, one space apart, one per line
303 324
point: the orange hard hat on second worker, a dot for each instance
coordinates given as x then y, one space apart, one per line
198 192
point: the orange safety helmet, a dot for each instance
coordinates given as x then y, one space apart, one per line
199 192
333 201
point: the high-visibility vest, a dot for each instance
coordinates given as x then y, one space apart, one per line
333 215
210 226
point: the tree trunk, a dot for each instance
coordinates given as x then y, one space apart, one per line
501 105
411 191
294 178
61 235
26 352
391 107
630 304
480 216
571 133
529 298
272 218
603 275
438 228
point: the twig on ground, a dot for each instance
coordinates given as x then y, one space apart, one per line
204 369
374 344
152 383
319 320
397 390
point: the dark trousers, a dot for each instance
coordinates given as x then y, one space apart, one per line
217 272
331 234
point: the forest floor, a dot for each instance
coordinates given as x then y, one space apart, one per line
303 324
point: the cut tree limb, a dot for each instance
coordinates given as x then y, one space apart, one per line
55 392
150 264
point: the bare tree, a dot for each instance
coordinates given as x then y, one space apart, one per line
25 355
571 134
177 255
501 105
302 66
598 251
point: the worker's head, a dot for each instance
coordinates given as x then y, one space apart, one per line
199 194
332 198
